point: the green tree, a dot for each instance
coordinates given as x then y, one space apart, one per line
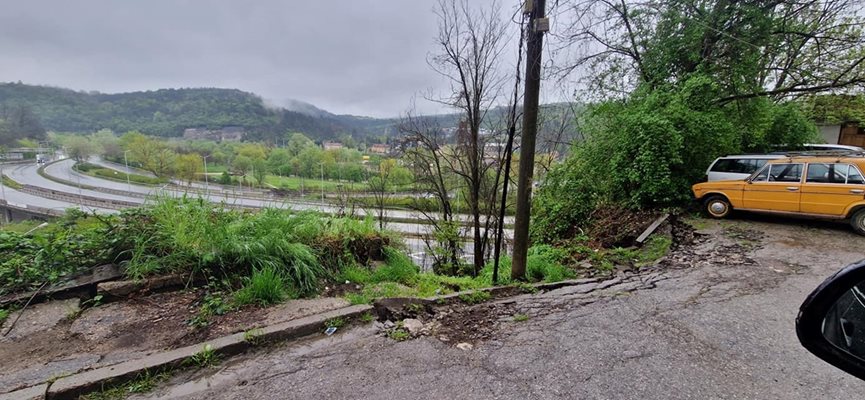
242 165
279 161
750 49
188 166
259 170
163 162
79 148
108 143
791 128
253 151
297 142
310 160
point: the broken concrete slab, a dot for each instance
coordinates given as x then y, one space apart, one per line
31 393
112 290
101 322
37 374
294 309
38 317
81 286
71 387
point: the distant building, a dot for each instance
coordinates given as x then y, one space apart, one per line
379 149
227 134
231 133
332 145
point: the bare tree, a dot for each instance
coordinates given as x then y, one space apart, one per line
471 42
421 143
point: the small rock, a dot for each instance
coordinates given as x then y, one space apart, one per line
465 346
413 326
444 338
628 354
388 324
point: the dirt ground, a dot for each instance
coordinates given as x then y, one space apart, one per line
713 319
115 332
697 242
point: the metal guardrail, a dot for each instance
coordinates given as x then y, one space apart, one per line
78 198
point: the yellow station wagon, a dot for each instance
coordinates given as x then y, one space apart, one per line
831 187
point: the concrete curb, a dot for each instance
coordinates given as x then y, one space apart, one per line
384 307
72 386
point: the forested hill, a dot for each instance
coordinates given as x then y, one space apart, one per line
167 112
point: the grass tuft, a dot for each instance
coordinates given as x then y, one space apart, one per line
266 286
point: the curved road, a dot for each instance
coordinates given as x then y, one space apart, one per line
140 194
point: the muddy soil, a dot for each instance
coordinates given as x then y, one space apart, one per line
115 332
697 243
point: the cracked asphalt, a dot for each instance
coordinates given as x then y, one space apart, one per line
713 321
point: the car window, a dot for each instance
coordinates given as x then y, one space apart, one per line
738 165
854 177
723 165
827 173
762 175
758 163
819 173
785 173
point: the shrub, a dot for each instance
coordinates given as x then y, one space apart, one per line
544 263
398 268
354 274
266 286
647 151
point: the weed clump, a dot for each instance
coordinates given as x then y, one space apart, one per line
266 286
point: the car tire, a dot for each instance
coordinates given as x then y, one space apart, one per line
717 207
857 221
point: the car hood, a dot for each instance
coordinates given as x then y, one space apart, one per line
717 185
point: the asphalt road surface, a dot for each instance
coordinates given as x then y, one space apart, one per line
714 321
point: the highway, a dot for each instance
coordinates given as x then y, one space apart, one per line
28 174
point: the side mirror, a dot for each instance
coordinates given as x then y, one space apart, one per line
831 321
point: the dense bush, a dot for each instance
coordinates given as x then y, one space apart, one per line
649 150
72 245
192 236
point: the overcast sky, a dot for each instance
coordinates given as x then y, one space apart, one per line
364 57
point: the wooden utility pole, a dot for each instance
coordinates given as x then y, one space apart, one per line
538 25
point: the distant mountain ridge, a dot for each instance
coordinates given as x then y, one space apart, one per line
168 112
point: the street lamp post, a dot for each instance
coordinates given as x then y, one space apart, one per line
2 185
125 161
206 183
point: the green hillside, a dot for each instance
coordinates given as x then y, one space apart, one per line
165 112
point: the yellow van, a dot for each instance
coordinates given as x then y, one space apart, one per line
831 187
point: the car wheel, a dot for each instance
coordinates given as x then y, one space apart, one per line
717 206
858 221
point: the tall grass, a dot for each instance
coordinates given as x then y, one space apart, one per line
191 235
398 268
266 286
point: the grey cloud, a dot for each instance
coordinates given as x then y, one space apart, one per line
350 56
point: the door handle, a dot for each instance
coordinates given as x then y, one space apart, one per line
857 191
792 188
